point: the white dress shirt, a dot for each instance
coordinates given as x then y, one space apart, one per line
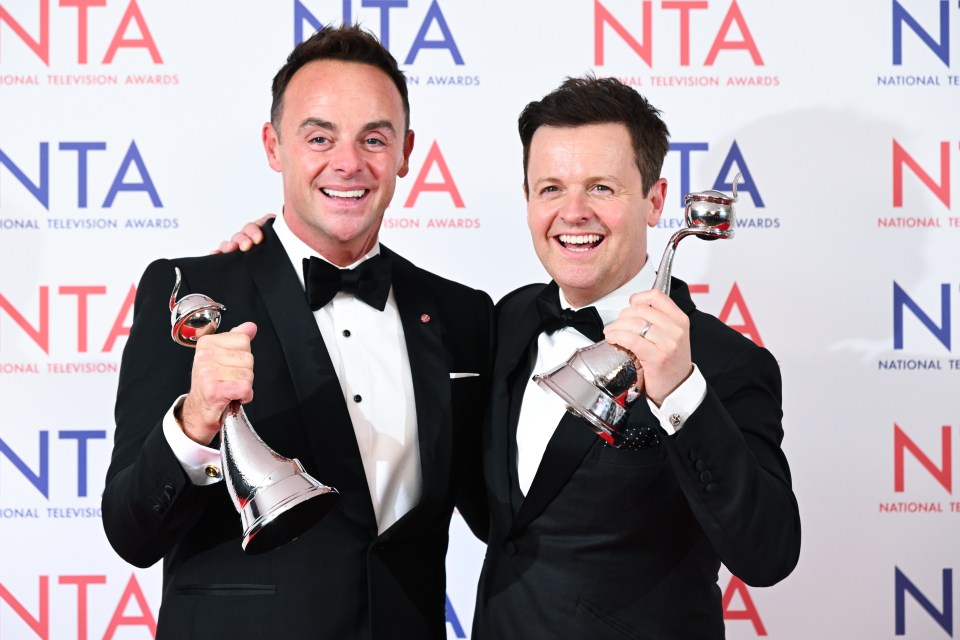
540 411
369 355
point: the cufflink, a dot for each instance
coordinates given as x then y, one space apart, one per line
212 471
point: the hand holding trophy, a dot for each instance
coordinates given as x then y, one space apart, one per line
596 381
277 500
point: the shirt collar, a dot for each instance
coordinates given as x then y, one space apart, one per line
297 249
610 305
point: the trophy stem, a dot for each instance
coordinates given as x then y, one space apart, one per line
662 281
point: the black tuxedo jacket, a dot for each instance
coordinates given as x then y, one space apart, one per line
340 580
613 544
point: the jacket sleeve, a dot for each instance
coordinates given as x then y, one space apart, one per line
734 474
148 501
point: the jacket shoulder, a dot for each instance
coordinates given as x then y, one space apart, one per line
443 286
519 298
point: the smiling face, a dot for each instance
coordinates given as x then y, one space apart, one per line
340 145
586 208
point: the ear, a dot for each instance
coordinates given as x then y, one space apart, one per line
407 150
658 198
270 143
526 191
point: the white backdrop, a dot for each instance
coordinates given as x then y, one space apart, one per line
129 130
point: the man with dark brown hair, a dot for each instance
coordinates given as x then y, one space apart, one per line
378 390
587 540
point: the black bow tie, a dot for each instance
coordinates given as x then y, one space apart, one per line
369 281
587 320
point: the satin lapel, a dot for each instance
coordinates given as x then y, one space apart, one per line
517 326
516 330
430 366
570 443
330 433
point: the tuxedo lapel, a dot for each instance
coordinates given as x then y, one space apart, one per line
518 328
333 443
516 387
430 366
571 439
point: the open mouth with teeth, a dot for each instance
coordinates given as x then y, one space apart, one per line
584 242
354 194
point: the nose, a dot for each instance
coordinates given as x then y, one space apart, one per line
346 159
575 207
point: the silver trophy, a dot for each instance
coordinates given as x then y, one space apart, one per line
277 500
597 381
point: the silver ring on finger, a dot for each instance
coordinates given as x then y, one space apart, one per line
645 330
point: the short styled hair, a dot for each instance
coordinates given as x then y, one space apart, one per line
589 100
344 43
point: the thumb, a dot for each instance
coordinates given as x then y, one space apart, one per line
247 328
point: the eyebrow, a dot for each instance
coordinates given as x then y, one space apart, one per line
557 180
317 122
548 180
380 124
326 124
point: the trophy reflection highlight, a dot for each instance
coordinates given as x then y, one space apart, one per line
597 381
277 500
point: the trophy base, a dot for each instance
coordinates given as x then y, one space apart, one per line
604 415
284 511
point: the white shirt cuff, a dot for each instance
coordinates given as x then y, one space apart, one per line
202 464
684 400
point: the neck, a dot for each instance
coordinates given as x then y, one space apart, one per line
579 298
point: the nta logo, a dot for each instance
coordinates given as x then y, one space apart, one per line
40 188
902 585
942 473
940 189
902 300
81 296
733 21
733 160
432 19
132 609
40 479
940 46
131 32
